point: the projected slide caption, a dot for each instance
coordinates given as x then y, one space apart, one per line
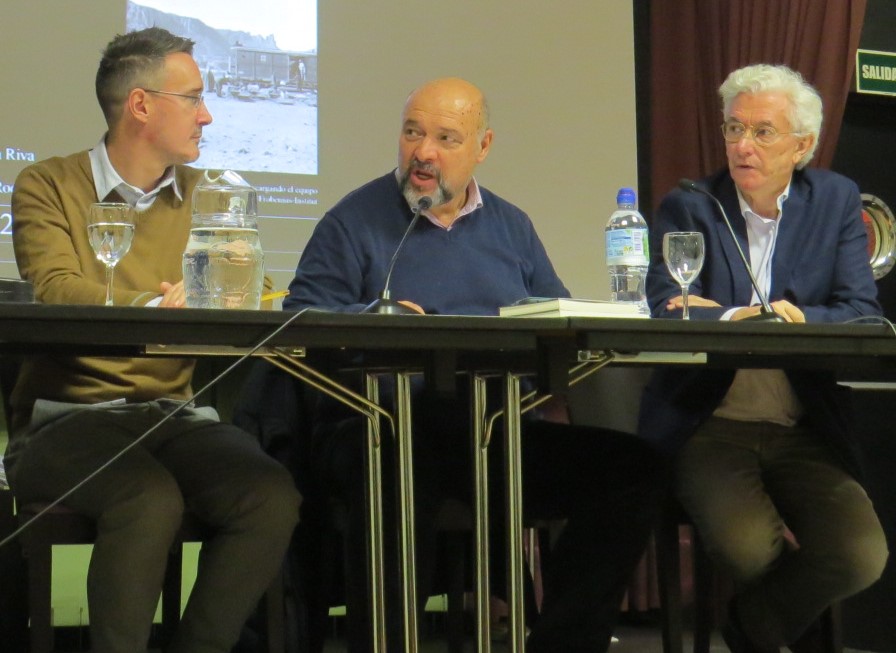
15 154
286 194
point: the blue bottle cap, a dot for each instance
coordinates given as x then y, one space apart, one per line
626 196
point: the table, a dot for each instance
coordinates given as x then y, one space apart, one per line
440 346
402 345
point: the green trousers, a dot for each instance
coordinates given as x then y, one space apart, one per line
778 512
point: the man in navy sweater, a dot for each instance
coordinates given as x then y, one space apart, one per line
470 254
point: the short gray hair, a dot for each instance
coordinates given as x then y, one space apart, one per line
805 103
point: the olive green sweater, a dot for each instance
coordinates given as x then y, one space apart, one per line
49 205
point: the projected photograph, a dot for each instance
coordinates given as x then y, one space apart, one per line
259 63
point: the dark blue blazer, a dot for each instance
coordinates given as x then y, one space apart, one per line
820 264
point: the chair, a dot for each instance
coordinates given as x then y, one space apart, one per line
63 526
13 581
669 572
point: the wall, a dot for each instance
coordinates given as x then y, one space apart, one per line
560 79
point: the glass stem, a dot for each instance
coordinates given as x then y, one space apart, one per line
684 302
110 271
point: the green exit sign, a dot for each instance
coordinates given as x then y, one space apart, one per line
876 72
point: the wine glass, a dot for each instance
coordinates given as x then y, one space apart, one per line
683 252
110 227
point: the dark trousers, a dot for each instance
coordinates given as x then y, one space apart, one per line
606 484
215 470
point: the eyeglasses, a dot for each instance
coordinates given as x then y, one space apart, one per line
195 100
764 135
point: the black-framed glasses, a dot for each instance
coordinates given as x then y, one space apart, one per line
196 100
763 135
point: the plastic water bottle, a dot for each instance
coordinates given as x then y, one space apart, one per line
223 263
627 251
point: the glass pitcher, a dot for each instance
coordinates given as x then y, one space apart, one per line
223 263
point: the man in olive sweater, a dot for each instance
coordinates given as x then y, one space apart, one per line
72 414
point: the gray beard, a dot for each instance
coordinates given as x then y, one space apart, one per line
441 196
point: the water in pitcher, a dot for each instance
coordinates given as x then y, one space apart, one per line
223 262
223 267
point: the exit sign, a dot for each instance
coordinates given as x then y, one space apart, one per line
876 72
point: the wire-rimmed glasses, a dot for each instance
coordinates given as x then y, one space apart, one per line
763 135
195 100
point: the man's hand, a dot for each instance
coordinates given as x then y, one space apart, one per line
173 295
412 306
677 303
782 307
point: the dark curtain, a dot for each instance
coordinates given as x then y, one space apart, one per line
695 44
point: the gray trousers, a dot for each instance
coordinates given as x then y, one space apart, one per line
216 471
745 484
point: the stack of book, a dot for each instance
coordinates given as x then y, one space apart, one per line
567 307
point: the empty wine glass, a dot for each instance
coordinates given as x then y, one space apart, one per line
683 252
110 227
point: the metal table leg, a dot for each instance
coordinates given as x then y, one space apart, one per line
480 512
516 636
407 552
373 458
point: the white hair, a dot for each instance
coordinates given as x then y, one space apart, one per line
805 113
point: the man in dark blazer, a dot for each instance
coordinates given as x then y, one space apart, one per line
762 457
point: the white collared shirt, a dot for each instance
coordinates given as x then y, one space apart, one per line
762 234
106 179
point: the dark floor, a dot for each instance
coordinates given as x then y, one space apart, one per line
631 639
644 638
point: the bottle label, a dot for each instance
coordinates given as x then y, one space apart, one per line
627 247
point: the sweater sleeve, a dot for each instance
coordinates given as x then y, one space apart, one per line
544 281
329 275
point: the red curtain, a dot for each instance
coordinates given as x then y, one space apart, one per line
696 43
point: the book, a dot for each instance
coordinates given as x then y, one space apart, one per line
569 307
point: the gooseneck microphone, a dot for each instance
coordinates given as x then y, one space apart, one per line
766 311
385 305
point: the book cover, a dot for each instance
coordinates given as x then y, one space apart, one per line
569 307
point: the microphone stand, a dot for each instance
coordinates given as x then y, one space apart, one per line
766 312
385 305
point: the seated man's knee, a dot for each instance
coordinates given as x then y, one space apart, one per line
745 553
861 562
148 501
278 499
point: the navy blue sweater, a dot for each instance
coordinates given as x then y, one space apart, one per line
488 259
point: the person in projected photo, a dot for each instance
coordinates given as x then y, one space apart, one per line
72 414
763 457
471 253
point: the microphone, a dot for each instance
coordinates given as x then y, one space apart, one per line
385 305
766 313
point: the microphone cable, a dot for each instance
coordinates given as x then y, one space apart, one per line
150 430
873 319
